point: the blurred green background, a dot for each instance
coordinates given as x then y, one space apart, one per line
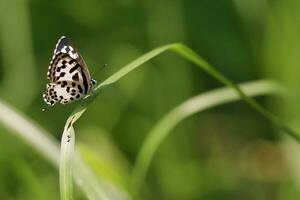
229 152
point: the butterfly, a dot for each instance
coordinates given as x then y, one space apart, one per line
68 75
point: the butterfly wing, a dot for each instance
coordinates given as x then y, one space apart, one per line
65 46
66 92
68 75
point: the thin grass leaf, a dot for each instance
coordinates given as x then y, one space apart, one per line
88 183
190 107
190 55
187 53
66 164
42 142
67 158
86 179
30 132
112 79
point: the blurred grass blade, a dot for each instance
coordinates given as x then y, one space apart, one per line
87 181
114 78
86 178
192 106
66 164
133 65
30 132
189 55
42 141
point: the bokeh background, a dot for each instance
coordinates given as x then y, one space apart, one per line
228 152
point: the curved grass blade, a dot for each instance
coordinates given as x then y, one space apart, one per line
189 55
30 132
114 78
42 142
66 164
190 107
86 178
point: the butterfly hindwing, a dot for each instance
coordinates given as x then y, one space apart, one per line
65 92
68 75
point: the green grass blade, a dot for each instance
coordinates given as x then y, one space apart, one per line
42 142
133 65
114 78
30 132
92 187
66 164
190 55
187 53
192 106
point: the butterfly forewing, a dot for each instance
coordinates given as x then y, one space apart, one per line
68 75
64 45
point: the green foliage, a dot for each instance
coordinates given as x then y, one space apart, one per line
163 131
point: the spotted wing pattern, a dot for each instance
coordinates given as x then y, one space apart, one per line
68 75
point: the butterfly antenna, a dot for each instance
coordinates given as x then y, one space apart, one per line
100 69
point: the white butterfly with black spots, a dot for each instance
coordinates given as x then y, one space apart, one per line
68 75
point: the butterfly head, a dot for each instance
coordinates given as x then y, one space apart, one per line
93 82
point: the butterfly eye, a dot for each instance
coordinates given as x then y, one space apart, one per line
93 82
